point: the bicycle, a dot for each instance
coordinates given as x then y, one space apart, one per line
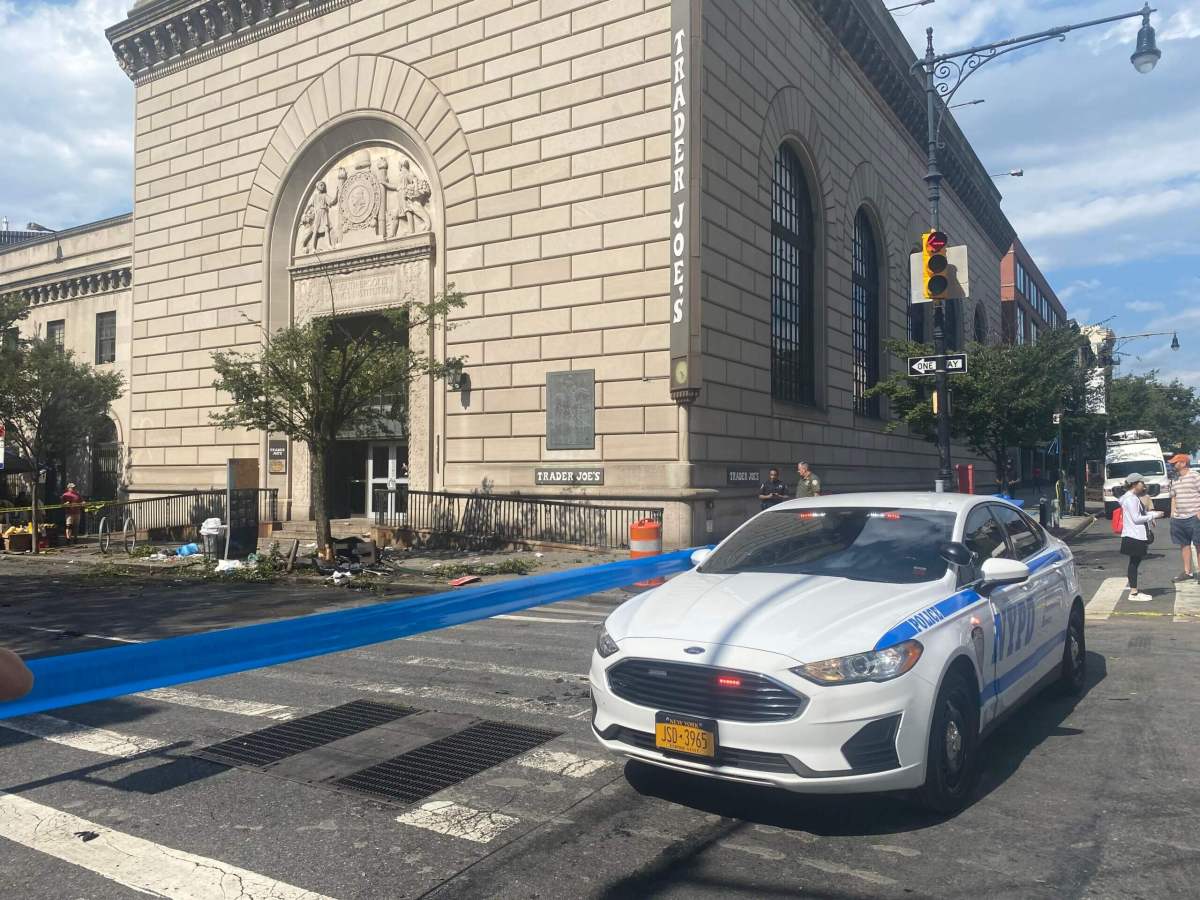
128 535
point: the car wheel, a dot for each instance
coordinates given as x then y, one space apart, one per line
1074 664
952 760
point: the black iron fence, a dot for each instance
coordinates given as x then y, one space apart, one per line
493 519
154 515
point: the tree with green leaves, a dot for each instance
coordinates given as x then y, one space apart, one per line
1170 409
318 380
1007 399
51 405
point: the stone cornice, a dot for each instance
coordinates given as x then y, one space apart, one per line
101 279
160 38
886 61
337 262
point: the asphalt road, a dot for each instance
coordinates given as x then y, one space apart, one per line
1094 798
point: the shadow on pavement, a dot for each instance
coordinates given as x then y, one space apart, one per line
1039 719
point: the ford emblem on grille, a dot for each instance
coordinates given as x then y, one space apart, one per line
695 651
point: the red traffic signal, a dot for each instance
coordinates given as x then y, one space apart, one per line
933 251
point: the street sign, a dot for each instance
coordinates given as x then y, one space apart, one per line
1058 418
957 272
922 365
950 364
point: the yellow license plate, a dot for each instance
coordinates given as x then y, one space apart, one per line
684 736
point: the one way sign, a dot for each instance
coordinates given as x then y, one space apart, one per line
951 364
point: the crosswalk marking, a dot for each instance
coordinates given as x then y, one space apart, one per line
550 620
467 665
445 817
559 762
1104 601
134 862
1187 602
82 737
220 704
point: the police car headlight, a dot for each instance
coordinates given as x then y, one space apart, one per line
605 645
875 665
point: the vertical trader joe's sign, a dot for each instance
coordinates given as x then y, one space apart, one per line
685 197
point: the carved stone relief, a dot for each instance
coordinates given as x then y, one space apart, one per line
369 196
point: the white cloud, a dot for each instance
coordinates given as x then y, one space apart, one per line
1143 306
1080 286
68 114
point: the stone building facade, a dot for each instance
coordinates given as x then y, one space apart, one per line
77 284
703 209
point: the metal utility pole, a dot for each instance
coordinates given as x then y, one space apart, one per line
944 74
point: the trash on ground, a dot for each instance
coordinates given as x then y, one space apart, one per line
465 579
187 550
227 565
341 577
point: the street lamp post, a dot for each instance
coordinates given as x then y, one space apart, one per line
944 75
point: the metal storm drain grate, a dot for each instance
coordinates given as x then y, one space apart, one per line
261 748
426 770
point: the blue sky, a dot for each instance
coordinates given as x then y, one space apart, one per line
1109 205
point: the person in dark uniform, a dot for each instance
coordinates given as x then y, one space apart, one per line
772 490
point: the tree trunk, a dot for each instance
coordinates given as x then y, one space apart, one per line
319 498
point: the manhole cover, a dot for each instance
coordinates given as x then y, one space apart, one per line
261 748
426 770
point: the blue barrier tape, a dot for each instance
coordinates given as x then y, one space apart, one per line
115 671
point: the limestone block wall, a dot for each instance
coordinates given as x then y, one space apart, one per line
776 73
545 124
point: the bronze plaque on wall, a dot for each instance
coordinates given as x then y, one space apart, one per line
571 410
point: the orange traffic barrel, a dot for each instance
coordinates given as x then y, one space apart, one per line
645 539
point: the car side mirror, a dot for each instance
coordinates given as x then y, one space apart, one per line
955 552
999 572
700 557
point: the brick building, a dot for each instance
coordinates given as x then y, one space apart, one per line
695 216
1029 304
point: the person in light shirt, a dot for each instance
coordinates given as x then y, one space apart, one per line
15 678
1185 511
1135 535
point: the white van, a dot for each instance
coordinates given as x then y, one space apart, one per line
1129 452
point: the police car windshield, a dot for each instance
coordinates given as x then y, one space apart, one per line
1141 466
898 546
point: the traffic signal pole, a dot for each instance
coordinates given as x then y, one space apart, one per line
933 179
944 75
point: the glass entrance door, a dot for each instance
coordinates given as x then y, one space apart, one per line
387 472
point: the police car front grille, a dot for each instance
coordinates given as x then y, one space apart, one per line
695 690
726 756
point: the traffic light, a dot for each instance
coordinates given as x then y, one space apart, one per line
933 255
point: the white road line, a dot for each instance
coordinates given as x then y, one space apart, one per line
99 637
1187 602
133 861
448 818
82 737
220 704
552 621
592 613
558 762
466 665
1104 601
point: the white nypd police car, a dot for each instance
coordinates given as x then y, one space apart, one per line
844 644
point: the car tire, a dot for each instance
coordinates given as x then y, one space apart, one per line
1073 676
952 756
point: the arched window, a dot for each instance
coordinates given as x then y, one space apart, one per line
981 325
793 370
865 303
